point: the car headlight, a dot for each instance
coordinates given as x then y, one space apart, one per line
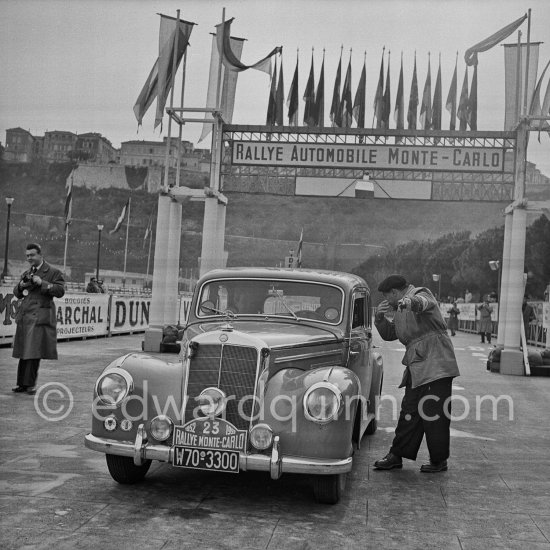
113 386
212 401
161 427
322 402
261 436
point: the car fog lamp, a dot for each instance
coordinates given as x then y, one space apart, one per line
110 423
261 436
322 402
212 401
113 387
161 427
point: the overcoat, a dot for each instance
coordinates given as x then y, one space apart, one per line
485 324
454 312
429 353
35 335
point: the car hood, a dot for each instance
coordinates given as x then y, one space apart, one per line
276 334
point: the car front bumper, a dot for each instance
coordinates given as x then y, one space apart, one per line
276 464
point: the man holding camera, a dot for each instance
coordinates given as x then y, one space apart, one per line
35 335
430 368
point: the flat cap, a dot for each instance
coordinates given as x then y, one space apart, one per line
393 281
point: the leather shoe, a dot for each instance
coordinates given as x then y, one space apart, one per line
433 467
19 389
389 462
31 391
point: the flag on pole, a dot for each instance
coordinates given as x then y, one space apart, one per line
472 102
359 101
335 111
536 109
399 112
159 81
228 83
280 97
148 229
309 98
386 100
378 96
299 252
470 56
426 106
412 111
450 104
121 218
462 111
270 118
292 100
230 60
346 104
69 203
437 105
320 97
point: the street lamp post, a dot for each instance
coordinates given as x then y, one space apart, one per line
99 230
9 202
437 277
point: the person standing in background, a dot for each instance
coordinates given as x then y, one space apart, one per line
485 323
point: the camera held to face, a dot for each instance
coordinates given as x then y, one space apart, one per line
27 281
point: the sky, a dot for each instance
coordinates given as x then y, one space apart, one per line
79 65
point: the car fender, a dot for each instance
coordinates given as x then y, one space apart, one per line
282 408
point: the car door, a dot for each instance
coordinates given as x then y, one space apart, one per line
360 342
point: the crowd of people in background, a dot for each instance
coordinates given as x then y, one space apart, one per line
95 286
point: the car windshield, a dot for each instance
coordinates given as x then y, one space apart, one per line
294 299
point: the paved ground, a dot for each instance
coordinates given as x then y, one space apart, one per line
56 493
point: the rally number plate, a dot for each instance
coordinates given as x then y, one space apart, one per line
206 459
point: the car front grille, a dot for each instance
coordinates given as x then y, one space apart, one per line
232 369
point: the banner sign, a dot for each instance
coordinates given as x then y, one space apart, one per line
82 315
185 306
129 313
331 155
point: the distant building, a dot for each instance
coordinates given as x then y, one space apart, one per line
94 148
58 145
20 145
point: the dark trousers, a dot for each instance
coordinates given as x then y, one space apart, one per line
27 372
430 417
483 334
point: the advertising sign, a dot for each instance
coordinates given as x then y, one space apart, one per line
129 313
82 315
185 305
332 155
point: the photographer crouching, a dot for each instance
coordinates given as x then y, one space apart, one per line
35 335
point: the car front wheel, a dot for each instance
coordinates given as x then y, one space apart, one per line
329 489
123 470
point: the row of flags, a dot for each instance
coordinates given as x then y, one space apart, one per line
124 214
347 108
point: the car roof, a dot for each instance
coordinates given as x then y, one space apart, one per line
339 278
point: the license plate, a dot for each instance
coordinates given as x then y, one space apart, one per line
206 459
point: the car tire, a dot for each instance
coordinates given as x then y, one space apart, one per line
123 470
329 489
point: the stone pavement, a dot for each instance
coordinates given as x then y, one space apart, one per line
56 493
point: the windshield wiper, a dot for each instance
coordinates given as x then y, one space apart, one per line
287 307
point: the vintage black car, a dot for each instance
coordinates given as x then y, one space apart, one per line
277 373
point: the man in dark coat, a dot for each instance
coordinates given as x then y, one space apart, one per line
430 367
36 335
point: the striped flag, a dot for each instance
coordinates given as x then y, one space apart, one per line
399 111
437 102
413 100
148 229
309 98
450 104
121 218
270 119
335 111
426 106
292 99
69 204
299 252
346 104
359 101
320 97
379 96
462 111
